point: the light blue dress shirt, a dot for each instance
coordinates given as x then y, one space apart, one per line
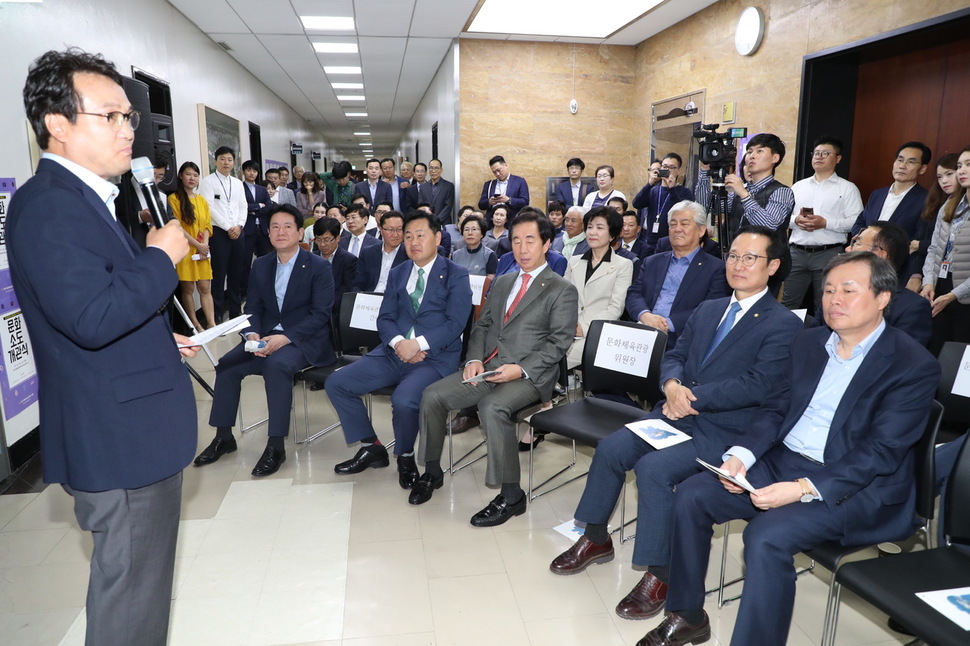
676 270
283 272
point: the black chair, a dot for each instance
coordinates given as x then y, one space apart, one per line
355 342
590 420
956 408
890 584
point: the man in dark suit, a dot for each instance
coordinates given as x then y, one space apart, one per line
355 239
504 189
422 316
297 183
573 192
118 420
525 329
374 188
375 261
901 202
830 458
672 284
630 238
343 265
439 193
909 311
289 303
412 194
733 350
255 231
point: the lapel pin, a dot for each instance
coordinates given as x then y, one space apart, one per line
542 284
441 277
757 315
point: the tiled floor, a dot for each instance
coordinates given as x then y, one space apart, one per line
307 557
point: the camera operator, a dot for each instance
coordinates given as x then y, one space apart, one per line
761 200
654 200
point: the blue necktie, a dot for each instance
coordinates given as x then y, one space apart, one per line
723 329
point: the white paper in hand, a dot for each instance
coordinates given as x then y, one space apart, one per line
657 433
216 331
739 479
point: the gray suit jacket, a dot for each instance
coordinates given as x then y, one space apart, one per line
286 196
537 335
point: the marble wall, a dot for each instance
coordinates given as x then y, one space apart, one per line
514 95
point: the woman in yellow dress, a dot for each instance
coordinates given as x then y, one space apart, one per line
195 269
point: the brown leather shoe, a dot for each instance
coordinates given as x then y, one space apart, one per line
674 631
645 600
462 423
581 555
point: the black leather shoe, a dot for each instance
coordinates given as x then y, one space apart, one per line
461 423
424 487
674 631
525 446
269 462
407 471
498 511
216 449
370 456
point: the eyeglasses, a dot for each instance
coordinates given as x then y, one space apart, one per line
856 243
822 154
116 119
386 230
747 259
666 167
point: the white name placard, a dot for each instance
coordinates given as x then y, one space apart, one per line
625 349
961 385
366 309
478 284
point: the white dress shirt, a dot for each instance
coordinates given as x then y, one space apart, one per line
227 200
835 199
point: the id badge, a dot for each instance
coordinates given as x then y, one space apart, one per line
944 269
656 227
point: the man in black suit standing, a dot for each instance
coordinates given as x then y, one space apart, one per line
412 193
439 193
374 188
255 231
117 411
289 303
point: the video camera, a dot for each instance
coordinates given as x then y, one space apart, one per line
717 149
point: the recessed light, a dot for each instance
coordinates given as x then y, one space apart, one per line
362 134
335 48
553 18
350 97
328 23
347 86
355 114
340 69
365 145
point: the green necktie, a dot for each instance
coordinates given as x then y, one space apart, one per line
416 296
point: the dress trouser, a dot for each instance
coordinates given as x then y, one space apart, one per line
228 267
130 589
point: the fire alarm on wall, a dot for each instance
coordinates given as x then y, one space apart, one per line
574 106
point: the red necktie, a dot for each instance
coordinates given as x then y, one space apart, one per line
515 303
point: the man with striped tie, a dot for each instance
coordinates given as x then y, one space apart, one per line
426 305
526 326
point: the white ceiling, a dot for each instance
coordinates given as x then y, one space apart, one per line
401 43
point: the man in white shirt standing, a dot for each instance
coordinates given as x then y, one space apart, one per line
826 206
227 205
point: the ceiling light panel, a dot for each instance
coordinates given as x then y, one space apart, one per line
334 48
327 23
347 86
341 69
558 17
350 97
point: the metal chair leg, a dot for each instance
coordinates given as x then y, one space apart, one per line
307 438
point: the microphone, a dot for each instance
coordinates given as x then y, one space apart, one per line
143 179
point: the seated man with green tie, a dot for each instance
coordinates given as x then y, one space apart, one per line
425 308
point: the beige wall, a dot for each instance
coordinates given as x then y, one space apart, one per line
514 95
514 99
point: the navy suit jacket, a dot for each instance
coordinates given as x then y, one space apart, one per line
117 409
382 194
517 191
441 318
730 386
443 202
906 214
410 198
254 211
343 265
305 315
703 281
369 240
639 249
564 193
869 450
369 266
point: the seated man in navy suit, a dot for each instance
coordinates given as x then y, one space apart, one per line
672 284
630 238
732 351
326 238
829 455
909 311
376 261
356 238
422 316
289 302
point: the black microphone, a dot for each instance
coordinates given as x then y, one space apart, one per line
143 177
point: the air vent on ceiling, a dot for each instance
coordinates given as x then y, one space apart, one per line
224 45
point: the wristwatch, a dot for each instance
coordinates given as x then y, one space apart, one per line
807 494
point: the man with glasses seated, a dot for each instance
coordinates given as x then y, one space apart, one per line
657 196
826 207
421 319
355 239
731 352
376 261
326 240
